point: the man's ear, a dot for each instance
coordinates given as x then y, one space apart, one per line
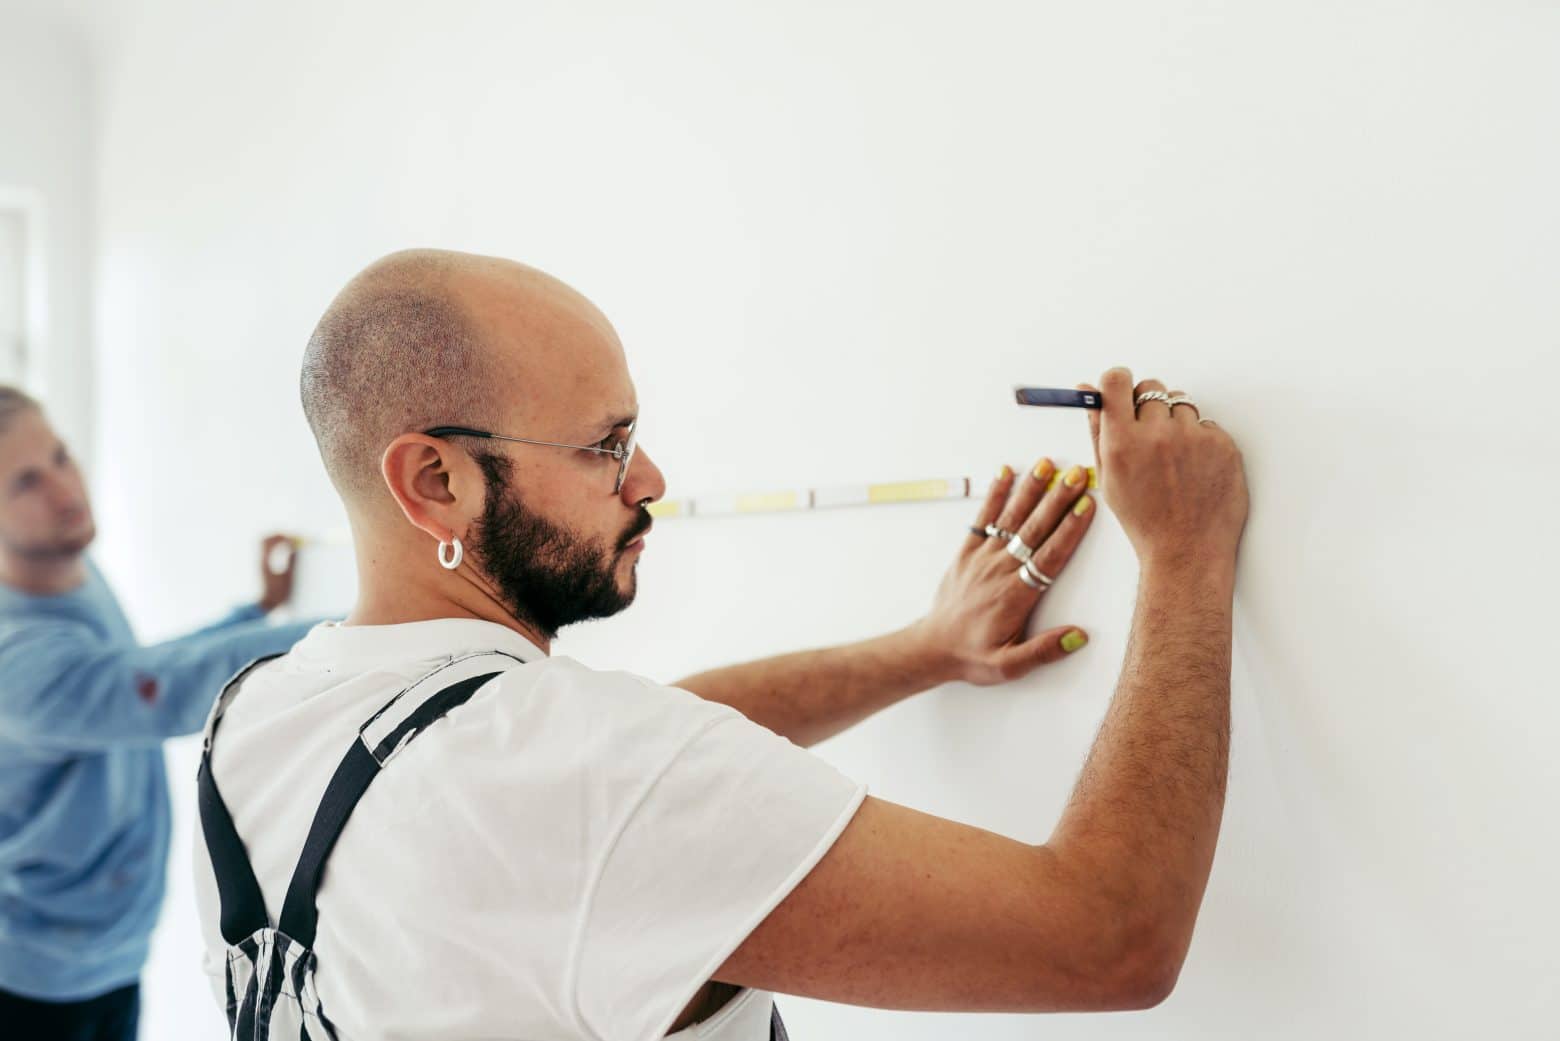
438 487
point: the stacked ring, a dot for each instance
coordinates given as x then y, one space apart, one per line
1000 533
1019 550
1171 400
1023 576
1033 577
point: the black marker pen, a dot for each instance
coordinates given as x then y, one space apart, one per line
1058 397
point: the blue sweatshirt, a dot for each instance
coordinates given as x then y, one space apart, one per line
84 816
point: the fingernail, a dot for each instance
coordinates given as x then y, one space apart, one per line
1043 469
1004 473
1083 505
1073 640
1074 476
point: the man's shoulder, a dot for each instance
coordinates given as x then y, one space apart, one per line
617 690
30 628
88 611
597 713
556 701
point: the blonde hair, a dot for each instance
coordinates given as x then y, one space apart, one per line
13 402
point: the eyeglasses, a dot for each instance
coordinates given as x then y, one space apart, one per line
623 451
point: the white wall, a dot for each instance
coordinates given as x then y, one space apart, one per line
46 130
831 236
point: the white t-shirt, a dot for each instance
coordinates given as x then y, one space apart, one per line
570 854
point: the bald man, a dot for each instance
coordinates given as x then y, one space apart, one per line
420 824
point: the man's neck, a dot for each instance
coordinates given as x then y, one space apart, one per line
412 601
400 583
373 610
48 576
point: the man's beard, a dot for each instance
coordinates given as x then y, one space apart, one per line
547 576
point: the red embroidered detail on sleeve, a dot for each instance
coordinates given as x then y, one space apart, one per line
146 687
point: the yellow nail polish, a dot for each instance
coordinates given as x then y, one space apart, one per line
1043 470
1074 476
1004 473
1073 640
1083 505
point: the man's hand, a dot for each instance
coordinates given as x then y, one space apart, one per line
982 608
278 556
1175 480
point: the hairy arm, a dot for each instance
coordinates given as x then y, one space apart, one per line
807 696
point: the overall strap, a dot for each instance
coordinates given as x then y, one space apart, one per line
776 1024
238 894
380 739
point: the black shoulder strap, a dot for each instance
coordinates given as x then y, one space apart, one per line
238 894
379 739
776 1024
358 768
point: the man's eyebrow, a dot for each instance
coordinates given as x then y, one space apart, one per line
607 426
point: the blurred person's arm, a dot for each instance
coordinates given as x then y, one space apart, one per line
63 687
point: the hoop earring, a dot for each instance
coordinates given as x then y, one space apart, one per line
454 561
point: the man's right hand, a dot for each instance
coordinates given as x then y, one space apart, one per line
1175 482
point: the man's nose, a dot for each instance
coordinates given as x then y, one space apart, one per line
644 479
65 496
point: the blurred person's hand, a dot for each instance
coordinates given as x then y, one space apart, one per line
1174 480
278 558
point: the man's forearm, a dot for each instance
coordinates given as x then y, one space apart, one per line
810 695
1144 818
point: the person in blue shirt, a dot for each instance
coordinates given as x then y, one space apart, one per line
84 709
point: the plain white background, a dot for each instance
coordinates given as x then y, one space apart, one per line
832 236
46 105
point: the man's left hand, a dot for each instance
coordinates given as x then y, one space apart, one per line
982 608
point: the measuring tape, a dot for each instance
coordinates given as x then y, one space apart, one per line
791 500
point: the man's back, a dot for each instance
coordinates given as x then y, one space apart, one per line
570 853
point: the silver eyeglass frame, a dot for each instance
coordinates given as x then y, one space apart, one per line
623 451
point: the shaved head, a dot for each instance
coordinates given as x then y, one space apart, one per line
398 350
426 338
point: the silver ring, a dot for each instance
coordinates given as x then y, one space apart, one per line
1019 550
1150 395
1023 576
1029 566
1001 533
979 531
1202 420
1183 400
